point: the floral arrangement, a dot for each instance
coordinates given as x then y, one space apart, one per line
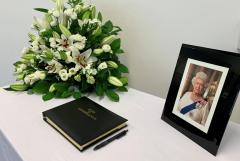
71 52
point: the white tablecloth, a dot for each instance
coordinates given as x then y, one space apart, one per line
149 138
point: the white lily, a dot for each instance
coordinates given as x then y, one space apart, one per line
74 43
54 66
84 58
30 79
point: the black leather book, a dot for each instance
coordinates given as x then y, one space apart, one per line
83 122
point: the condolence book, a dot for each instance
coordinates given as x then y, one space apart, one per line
83 122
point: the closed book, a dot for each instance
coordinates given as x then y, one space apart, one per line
83 122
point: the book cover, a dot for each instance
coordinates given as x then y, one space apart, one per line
83 122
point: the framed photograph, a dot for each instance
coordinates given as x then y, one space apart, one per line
202 94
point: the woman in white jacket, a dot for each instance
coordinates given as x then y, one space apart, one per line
192 103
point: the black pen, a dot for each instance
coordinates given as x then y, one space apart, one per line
119 135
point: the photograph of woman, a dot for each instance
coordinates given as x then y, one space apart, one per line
199 92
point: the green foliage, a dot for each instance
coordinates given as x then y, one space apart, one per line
122 68
99 17
41 10
48 96
41 87
116 44
112 95
107 27
119 51
77 94
99 89
123 89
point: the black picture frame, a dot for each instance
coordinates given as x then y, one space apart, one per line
211 138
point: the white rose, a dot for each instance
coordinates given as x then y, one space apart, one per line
106 48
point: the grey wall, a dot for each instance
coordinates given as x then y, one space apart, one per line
153 33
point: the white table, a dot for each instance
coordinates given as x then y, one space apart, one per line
149 138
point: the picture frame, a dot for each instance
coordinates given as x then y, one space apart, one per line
202 94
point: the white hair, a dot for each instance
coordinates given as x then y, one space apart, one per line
201 75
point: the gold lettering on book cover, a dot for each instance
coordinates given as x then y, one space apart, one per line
89 113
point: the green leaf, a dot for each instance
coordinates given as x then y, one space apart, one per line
47 33
17 63
107 27
124 80
99 89
77 94
66 94
116 44
63 55
122 68
62 86
48 96
41 10
123 89
112 95
41 87
99 16
119 51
